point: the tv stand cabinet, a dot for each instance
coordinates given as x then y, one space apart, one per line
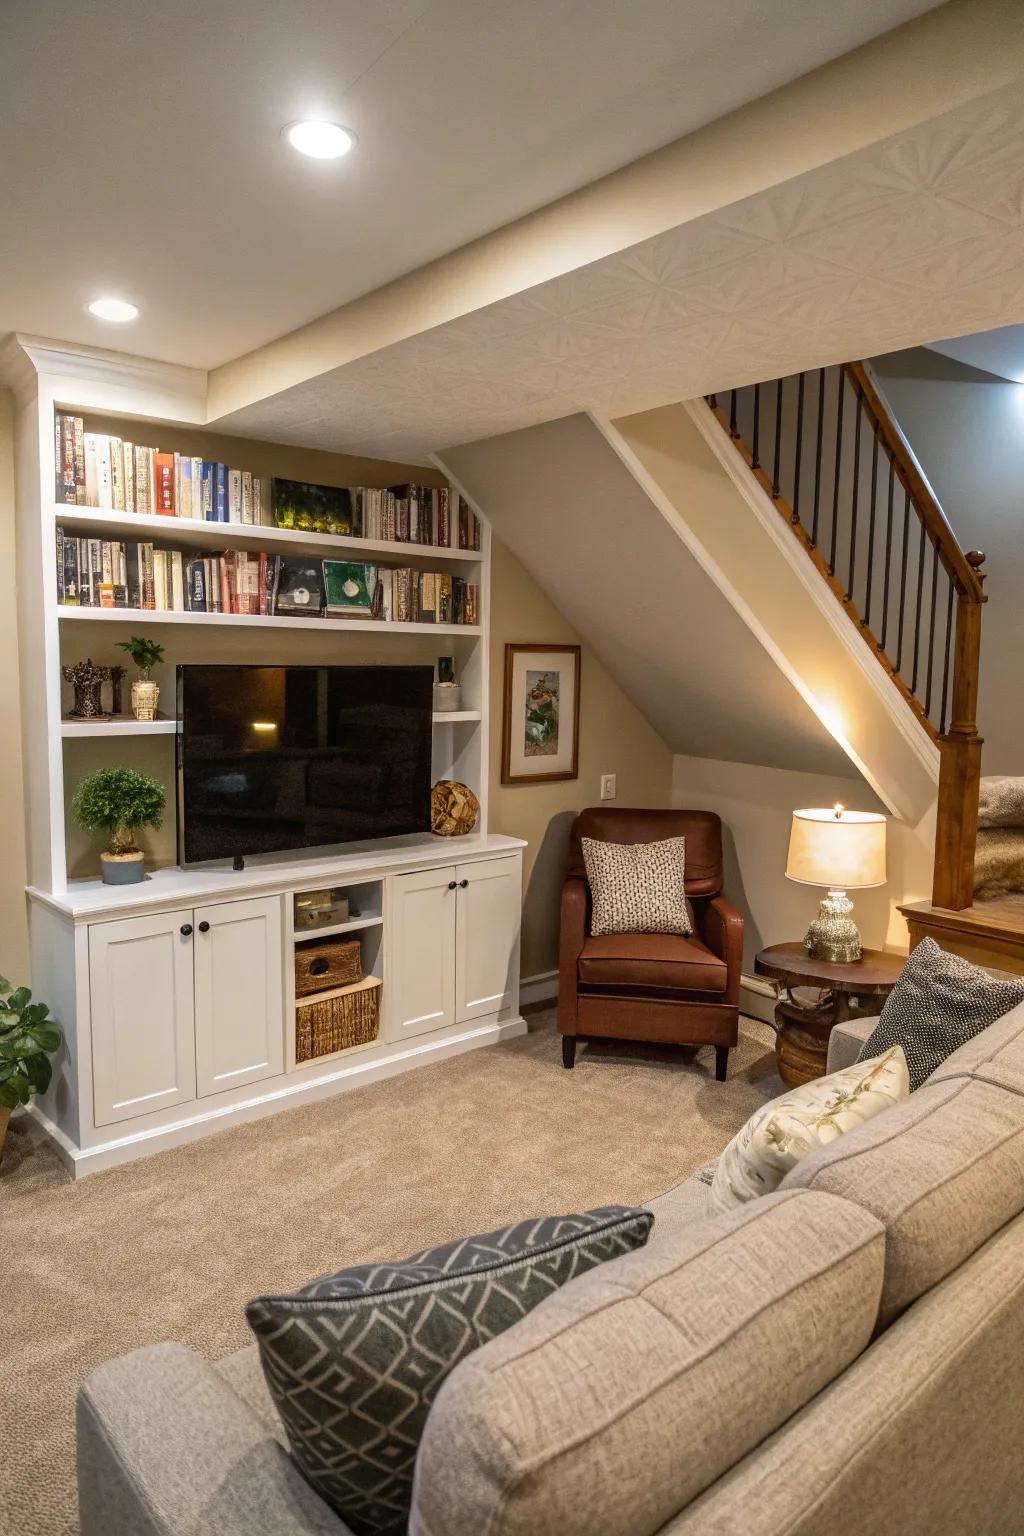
177 995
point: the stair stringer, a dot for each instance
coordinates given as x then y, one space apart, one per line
691 473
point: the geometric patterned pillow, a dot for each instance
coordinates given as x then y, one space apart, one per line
636 887
355 1360
939 1003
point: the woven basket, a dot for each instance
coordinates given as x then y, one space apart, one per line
336 1021
321 967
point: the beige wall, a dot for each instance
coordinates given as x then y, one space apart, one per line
756 805
614 738
13 921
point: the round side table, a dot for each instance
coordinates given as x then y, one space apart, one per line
851 991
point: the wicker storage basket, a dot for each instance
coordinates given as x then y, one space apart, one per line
321 967
335 1021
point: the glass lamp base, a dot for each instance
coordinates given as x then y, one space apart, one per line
833 935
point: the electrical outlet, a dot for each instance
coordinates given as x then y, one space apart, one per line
607 786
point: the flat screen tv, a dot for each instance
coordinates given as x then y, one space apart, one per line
278 758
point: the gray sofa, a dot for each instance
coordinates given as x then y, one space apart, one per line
846 1355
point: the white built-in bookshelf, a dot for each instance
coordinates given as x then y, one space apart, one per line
160 1046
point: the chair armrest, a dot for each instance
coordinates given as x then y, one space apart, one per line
845 1041
723 934
572 936
166 1448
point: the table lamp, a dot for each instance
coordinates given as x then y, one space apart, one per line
843 850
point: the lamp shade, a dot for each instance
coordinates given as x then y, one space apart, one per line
842 849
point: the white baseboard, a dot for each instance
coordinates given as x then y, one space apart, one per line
757 998
538 989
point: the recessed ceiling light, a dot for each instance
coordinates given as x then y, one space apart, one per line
113 309
322 141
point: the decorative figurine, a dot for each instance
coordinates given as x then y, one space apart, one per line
86 679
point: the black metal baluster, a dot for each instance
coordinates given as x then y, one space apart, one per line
835 484
931 629
755 462
888 558
945 664
858 406
799 446
866 620
713 402
732 414
917 607
778 437
817 457
903 578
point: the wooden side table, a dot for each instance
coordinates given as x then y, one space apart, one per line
851 991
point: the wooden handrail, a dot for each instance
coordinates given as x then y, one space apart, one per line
926 503
886 567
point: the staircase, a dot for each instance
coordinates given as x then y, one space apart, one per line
827 451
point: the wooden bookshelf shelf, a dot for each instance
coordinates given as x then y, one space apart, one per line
302 935
191 533
455 716
157 616
121 725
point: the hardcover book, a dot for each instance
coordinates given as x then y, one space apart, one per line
346 588
312 508
299 588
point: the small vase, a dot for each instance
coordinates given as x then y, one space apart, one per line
122 868
447 696
144 697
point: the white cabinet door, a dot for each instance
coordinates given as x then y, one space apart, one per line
143 1036
239 986
487 936
421 958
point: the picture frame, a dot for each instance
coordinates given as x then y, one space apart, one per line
541 714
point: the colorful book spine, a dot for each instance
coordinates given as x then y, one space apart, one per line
163 467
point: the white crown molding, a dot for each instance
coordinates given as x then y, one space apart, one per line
102 380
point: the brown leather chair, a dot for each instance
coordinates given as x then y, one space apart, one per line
651 986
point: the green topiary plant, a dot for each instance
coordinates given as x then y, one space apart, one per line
146 654
119 801
27 1040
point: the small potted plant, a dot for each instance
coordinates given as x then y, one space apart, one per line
119 801
146 654
28 1038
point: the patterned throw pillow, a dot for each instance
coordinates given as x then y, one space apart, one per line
354 1361
793 1126
939 1003
637 887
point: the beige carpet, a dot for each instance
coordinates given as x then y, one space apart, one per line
172 1246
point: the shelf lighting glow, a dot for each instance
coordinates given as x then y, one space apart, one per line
264 725
320 141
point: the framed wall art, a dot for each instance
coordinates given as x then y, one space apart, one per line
541 725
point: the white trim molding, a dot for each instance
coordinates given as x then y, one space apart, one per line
540 988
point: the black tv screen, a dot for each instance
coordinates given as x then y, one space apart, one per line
275 758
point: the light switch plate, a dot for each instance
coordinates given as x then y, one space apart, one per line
607 786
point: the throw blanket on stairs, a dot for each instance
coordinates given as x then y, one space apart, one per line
999 859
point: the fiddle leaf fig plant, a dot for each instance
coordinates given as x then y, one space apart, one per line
146 654
119 801
28 1038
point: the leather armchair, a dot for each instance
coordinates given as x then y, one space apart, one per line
658 987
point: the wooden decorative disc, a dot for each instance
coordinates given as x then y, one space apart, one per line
453 808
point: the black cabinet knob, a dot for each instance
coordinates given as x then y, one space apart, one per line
186 930
204 927
463 884
451 885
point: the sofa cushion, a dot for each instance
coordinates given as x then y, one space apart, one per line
354 1361
942 1172
994 1056
939 1002
636 887
664 962
620 1398
812 1115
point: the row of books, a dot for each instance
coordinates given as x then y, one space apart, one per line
95 469
111 573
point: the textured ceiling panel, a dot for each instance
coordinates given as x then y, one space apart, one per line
919 237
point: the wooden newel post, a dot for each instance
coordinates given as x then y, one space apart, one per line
956 823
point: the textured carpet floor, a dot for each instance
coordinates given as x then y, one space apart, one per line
172 1246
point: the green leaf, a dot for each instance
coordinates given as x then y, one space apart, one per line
9 1096
35 1013
38 1071
19 999
47 1036
5 986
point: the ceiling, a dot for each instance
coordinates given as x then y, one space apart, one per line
866 254
143 153
999 351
